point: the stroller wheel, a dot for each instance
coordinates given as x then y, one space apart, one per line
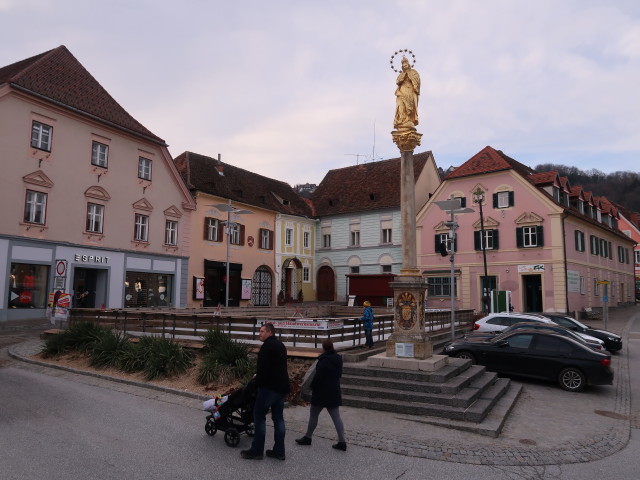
232 437
210 428
251 430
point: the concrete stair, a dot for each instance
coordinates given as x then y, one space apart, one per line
457 395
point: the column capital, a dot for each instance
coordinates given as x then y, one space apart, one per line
406 140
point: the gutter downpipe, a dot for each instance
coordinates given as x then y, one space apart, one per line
564 259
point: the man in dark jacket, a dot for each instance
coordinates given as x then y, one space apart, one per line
272 380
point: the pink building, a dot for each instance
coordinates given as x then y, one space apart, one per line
629 223
93 205
553 246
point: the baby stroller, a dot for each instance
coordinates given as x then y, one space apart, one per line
232 415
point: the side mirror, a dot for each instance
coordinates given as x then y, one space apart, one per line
502 343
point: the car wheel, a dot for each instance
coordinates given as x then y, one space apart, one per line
467 356
572 379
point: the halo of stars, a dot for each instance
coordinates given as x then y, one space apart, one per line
407 53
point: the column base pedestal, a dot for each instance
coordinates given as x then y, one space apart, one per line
409 345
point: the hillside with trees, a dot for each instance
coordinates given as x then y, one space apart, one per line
622 188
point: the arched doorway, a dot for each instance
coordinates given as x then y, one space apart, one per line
326 284
262 287
291 287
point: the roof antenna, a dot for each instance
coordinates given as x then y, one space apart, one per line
373 150
357 155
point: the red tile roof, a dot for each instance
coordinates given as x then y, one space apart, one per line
488 160
541 179
58 77
201 173
364 187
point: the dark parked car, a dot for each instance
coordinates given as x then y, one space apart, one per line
612 342
538 354
587 340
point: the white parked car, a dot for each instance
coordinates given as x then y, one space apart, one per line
496 322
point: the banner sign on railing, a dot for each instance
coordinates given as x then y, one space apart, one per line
304 324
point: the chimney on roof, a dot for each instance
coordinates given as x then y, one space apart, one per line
219 166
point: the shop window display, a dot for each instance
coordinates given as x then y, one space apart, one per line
144 290
28 285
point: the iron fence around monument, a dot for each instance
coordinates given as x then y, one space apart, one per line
344 327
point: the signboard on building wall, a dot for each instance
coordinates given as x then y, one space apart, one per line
537 268
573 281
246 289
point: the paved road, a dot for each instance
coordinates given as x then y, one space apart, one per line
57 424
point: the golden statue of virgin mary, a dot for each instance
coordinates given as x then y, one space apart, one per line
407 94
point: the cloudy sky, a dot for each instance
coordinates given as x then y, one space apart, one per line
292 89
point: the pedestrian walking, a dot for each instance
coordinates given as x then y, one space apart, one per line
367 323
325 393
272 380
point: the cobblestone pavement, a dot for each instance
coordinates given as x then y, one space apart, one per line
548 426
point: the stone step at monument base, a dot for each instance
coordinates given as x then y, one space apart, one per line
456 395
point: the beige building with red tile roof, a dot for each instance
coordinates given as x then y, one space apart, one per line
93 205
266 247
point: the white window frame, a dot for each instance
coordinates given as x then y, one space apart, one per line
144 168
355 269
387 235
306 239
486 238
141 228
636 256
288 237
530 236
41 136
234 234
446 239
265 239
386 268
326 240
35 207
95 218
306 275
213 229
503 199
99 154
354 238
171 232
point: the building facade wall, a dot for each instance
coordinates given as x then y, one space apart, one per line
244 259
66 176
371 254
542 276
295 262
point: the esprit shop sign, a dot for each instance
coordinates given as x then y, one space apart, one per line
90 258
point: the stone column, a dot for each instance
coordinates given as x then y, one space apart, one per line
408 338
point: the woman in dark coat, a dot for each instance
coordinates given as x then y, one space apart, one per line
325 393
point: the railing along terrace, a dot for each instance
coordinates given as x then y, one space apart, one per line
243 324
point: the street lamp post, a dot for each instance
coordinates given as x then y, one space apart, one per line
452 206
226 207
478 197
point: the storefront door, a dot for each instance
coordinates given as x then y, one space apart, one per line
89 288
